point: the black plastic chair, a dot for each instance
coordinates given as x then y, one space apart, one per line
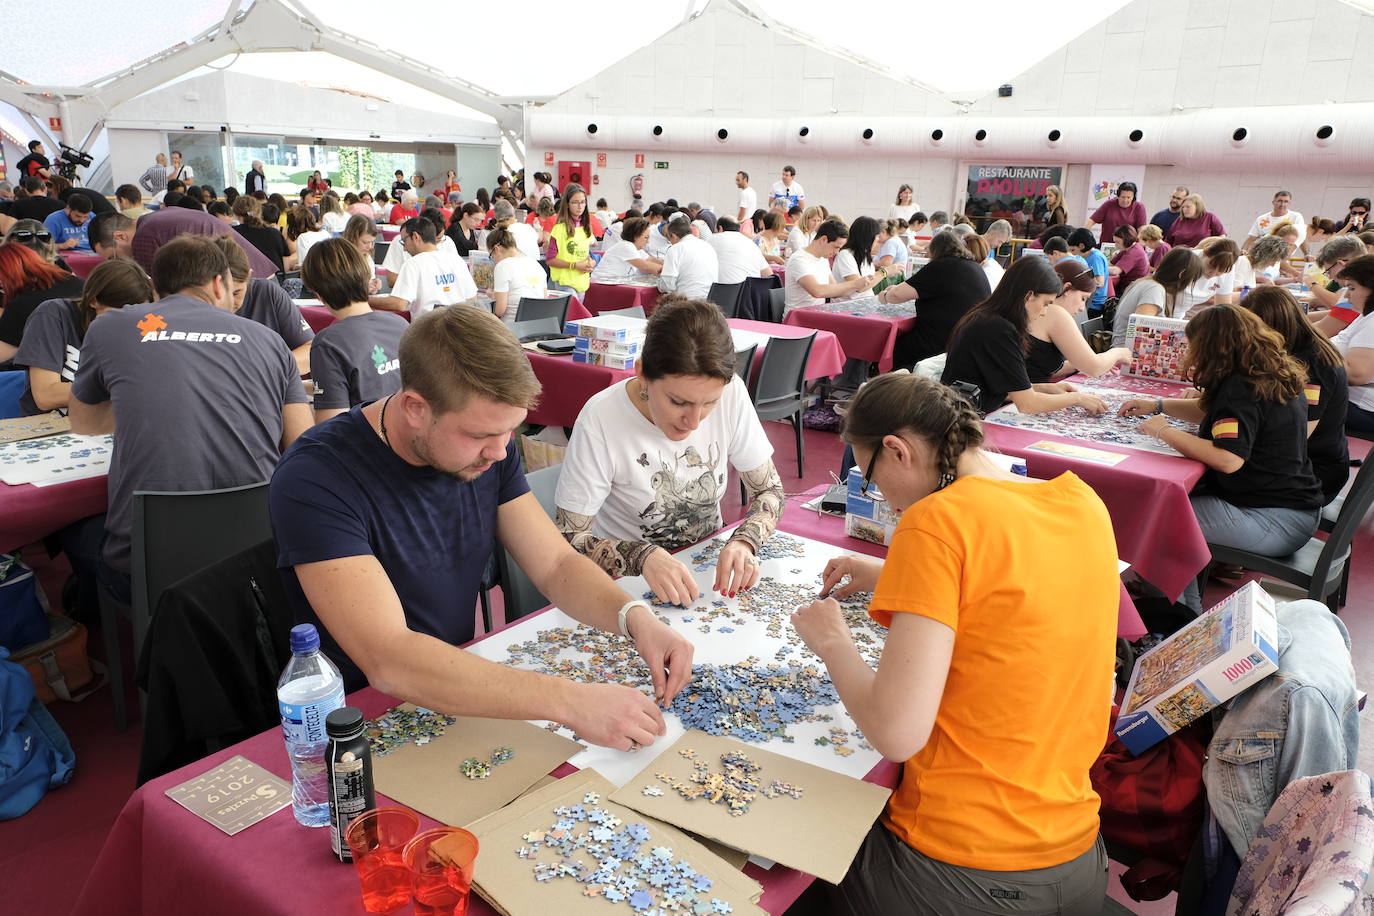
522 596
780 389
173 536
379 249
1091 327
726 295
744 361
1318 566
634 311
777 304
540 319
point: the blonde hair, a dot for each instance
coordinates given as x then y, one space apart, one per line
816 214
1196 201
1151 233
450 354
1285 227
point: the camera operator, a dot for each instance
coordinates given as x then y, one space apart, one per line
35 164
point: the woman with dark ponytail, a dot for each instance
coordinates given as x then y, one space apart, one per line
996 799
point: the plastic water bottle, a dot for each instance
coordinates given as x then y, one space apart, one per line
309 690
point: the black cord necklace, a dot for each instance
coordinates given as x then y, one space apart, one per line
381 419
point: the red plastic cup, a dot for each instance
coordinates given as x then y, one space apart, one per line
442 876
378 838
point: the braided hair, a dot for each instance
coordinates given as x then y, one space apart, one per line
936 414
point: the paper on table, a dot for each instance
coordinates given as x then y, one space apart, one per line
507 881
16 429
818 833
234 795
426 777
715 648
1068 450
55 458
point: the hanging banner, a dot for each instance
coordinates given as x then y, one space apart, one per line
1015 193
1103 181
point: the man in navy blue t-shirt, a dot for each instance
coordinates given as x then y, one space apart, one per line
385 518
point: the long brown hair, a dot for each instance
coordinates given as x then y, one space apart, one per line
900 403
1226 340
1179 269
113 284
688 337
565 217
1279 309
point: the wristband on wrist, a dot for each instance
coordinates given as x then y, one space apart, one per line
630 605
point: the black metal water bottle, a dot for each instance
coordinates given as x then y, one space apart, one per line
349 763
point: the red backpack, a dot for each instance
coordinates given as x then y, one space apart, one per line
1152 807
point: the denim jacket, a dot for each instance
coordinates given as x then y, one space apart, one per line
1300 721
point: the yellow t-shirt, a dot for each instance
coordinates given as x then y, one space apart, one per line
1025 574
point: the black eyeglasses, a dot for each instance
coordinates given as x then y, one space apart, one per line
25 234
868 478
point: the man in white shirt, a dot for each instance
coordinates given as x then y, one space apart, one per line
1265 222
788 190
748 198
739 258
431 277
658 242
691 265
397 256
808 270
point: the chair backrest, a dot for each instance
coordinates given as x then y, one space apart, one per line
726 295
782 376
177 534
1090 327
777 304
744 361
379 249
1337 547
634 311
521 595
542 309
12 385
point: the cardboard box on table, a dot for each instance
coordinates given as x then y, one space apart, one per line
1214 658
866 518
609 360
607 327
1157 346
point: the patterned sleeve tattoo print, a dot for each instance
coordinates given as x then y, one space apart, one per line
763 487
617 558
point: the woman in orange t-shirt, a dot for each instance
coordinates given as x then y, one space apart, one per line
1000 594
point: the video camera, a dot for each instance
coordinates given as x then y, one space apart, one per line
70 160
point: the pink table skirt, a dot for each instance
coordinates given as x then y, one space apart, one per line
818 526
864 337
320 317
1146 495
603 297
567 386
29 513
82 264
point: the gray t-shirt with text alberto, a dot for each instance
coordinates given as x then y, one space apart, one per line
197 395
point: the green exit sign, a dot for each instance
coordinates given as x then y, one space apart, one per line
660 165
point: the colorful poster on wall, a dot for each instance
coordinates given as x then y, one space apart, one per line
1015 193
1103 181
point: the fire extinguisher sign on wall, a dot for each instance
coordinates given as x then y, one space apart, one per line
639 160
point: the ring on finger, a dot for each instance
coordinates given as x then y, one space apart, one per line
634 745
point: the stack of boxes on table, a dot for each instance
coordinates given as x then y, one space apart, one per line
607 340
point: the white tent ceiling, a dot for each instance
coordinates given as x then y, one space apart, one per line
539 51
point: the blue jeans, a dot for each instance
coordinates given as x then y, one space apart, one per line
1360 421
1268 532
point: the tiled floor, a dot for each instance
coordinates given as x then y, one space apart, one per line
43 854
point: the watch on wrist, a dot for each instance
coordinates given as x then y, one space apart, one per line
1159 405
624 611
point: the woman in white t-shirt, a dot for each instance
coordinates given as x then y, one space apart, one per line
628 258
1157 293
1218 282
905 205
1356 345
332 216
856 257
302 231
514 277
805 230
647 464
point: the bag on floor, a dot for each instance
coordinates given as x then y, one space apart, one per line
34 754
1152 807
22 620
58 665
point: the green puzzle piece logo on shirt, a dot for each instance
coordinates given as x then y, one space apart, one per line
378 356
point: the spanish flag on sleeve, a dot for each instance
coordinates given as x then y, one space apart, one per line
1226 428
1313 393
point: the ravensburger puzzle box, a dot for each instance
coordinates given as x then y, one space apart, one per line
1218 655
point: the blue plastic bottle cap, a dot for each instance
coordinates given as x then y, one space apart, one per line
304 638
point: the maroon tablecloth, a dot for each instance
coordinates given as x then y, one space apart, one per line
1147 496
160 858
29 513
320 317
866 337
568 385
603 297
818 526
82 264
388 232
